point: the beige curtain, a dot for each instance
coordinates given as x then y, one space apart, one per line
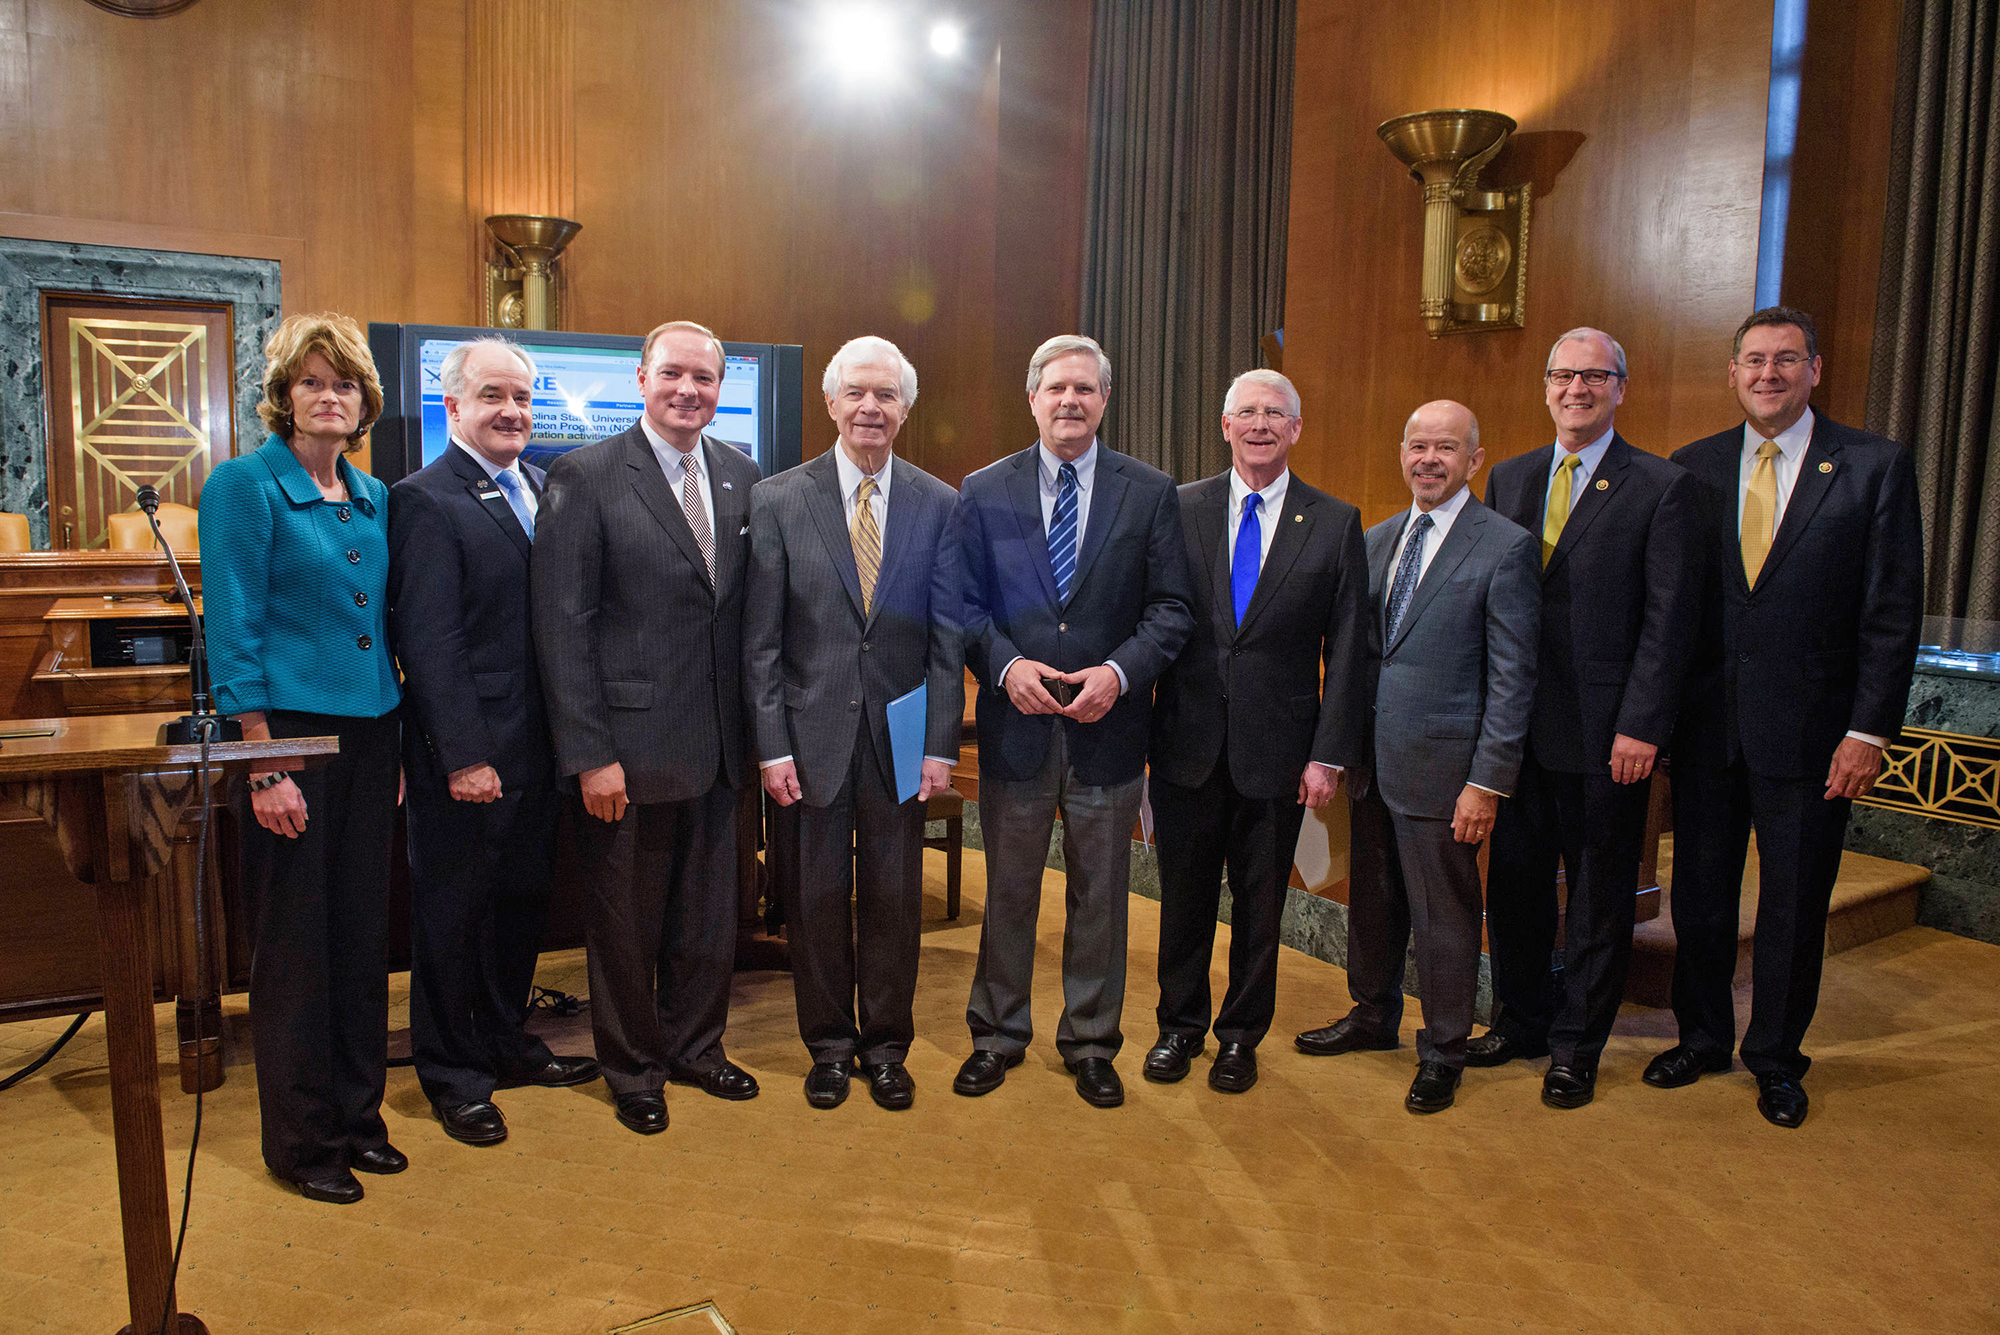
1936 359
1184 243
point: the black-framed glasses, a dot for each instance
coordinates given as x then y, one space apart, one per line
1596 377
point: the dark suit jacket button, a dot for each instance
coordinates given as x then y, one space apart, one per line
866 645
1743 658
361 600
365 643
711 676
353 557
1063 626
344 513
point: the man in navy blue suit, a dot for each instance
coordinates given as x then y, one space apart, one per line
1077 598
1811 607
476 755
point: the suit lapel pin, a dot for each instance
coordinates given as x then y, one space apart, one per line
1298 519
1603 485
1825 466
727 487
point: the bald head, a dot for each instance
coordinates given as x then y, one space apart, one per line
1440 451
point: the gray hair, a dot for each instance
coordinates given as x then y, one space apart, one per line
1585 331
1069 345
452 374
870 348
1268 379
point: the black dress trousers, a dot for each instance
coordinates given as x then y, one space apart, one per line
319 988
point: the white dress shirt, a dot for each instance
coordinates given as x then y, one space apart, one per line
493 471
1267 516
1792 443
1442 516
1588 458
1048 471
670 463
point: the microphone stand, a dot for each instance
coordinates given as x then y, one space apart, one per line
202 724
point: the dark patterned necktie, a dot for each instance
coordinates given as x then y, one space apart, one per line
1062 532
1407 571
697 517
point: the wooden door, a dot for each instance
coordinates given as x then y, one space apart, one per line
138 392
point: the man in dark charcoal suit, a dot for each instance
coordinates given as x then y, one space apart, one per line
1620 536
1457 590
1076 600
1246 734
1812 604
476 757
641 558
851 605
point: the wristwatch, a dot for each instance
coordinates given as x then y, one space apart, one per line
263 781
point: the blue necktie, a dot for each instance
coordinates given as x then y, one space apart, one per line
1406 575
510 483
1249 550
1062 531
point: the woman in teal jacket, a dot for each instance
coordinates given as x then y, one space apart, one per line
295 566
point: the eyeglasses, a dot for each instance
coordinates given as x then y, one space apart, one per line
1784 361
1596 377
1275 416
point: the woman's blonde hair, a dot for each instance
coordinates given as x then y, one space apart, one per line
341 342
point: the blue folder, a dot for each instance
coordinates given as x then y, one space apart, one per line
907 717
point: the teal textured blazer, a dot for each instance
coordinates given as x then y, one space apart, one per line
294 588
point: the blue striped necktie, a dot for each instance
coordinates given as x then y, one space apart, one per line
510 483
1062 531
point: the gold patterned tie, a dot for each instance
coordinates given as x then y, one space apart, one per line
1760 511
1557 514
867 536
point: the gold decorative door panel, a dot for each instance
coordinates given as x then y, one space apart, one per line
139 393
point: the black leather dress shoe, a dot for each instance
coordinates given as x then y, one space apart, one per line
555 1073
336 1187
1097 1082
1169 1058
1781 1099
382 1160
1235 1068
724 1081
890 1085
826 1084
983 1072
1343 1035
471 1123
1681 1065
1494 1048
1434 1089
644 1113
1569 1086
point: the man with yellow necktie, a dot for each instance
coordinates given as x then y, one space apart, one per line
851 603
1812 604
1620 550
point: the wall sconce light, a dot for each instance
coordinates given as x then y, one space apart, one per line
1475 241
521 291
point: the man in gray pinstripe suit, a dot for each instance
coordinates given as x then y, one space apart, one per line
850 605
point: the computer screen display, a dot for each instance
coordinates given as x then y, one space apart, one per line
585 394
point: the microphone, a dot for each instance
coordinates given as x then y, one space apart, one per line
202 723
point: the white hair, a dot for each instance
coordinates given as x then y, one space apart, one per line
1069 345
1585 331
861 351
452 374
1268 379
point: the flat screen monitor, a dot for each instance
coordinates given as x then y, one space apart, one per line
586 388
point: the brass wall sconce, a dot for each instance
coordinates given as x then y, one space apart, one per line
521 288
1475 241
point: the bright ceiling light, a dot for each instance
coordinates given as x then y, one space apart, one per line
860 40
947 39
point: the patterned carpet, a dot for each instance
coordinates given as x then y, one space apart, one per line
1313 1203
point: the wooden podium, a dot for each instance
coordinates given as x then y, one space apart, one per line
113 796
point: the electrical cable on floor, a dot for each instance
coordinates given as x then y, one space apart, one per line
43 1060
200 990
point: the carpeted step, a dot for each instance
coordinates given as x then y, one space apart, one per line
1873 898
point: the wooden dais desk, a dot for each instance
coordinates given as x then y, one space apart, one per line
113 796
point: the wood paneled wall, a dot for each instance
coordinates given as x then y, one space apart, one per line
1642 128
719 172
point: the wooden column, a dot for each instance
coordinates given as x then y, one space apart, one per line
520 112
